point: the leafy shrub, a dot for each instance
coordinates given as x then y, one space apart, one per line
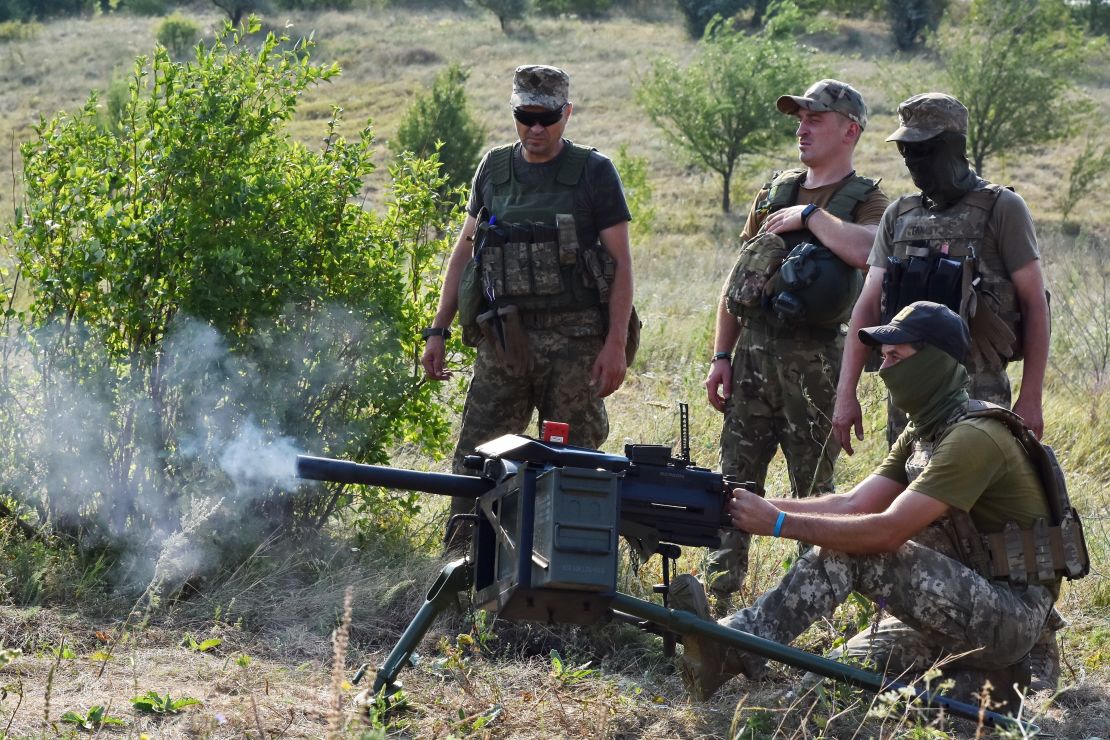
202 297
19 30
637 191
178 34
441 121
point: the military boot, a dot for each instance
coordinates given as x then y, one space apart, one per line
1044 658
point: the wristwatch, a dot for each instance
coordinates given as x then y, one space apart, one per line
722 356
808 211
435 331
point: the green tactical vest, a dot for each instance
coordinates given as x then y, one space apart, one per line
538 266
959 231
761 256
1043 554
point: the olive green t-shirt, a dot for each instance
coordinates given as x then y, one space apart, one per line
868 213
977 467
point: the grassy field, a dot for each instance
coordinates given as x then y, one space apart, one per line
272 673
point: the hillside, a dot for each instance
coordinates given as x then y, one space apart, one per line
271 674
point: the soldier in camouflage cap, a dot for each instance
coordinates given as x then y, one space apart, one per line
890 539
773 379
541 86
828 95
551 336
981 236
928 115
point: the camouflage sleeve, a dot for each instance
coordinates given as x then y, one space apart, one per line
884 237
755 218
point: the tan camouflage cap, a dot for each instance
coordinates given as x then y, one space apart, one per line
539 84
927 115
828 95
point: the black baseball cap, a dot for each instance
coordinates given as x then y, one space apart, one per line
923 321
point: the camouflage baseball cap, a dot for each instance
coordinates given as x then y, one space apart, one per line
828 95
927 115
539 84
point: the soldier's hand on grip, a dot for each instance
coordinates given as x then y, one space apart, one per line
752 513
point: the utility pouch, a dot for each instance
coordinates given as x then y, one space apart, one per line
633 343
759 259
503 329
518 260
946 283
547 278
471 298
915 282
492 263
567 238
892 283
992 340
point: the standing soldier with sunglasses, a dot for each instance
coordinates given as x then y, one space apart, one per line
785 323
541 277
969 244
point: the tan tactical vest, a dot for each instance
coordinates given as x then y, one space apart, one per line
1043 554
959 232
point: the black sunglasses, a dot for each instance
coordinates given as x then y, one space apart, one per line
544 118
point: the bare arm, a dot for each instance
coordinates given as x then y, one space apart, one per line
611 366
847 414
718 384
1029 285
434 348
848 241
859 533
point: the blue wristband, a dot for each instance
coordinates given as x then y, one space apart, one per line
778 524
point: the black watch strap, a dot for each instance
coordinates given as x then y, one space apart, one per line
435 331
808 211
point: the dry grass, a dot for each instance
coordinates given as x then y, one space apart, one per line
281 612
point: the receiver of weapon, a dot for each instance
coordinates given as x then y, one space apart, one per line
545 546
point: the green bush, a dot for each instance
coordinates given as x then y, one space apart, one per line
203 297
19 30
178 34
698 13
441 121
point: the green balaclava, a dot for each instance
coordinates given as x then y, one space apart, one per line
928 385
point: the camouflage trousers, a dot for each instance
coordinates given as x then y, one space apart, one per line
993 387
500 402
940 608
783 393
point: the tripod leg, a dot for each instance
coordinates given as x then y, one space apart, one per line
455 577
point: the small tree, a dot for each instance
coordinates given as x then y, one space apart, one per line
912 20
721 106
1014 63
507 11
441 121
698 13
235 10
1088 171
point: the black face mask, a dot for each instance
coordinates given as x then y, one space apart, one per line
939 167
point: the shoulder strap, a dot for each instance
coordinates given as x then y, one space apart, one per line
501 164
782 190
573 163
853 192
